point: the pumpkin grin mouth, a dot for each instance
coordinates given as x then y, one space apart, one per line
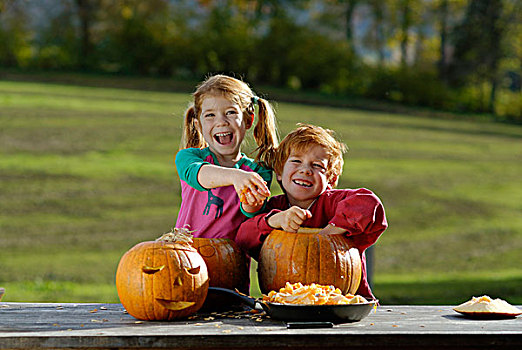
175 305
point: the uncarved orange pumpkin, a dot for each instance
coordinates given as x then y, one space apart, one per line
308 257
227 265
160 280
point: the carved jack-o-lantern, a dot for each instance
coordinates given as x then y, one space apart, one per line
162 280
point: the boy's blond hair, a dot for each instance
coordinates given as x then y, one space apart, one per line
305 136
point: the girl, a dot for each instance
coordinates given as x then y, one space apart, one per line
214 173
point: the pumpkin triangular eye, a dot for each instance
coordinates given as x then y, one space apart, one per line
194 270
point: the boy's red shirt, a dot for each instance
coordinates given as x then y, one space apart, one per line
358 211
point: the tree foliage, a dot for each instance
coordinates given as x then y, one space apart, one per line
462 55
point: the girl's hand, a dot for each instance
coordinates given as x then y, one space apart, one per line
289 220
249 200
250 187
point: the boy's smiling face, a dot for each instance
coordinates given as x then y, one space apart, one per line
304 175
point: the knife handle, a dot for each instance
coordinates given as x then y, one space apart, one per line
297 325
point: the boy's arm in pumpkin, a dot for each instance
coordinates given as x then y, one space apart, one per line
361 215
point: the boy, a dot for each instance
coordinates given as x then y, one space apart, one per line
308 164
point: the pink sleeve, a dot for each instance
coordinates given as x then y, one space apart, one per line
361 214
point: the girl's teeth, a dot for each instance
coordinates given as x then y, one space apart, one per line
223 137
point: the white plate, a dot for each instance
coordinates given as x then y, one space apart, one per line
488 315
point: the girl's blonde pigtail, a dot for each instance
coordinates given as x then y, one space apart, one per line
192 137
265 134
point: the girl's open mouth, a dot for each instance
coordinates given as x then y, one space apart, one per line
224 138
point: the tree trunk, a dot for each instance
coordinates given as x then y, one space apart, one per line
84 15
405 27
377 7
495 55
419 45
493 95
443 37
350 8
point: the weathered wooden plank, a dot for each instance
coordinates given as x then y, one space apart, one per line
93 326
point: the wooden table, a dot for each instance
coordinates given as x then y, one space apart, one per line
96 326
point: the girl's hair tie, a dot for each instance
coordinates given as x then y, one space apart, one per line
254 100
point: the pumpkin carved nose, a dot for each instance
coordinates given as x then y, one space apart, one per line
178 281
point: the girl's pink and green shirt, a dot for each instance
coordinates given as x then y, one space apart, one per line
216 212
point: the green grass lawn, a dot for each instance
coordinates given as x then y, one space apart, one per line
88 172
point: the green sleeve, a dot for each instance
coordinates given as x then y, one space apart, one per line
188 162
251 215
266 174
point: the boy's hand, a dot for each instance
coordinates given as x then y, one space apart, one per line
289 220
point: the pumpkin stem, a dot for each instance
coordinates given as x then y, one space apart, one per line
177 235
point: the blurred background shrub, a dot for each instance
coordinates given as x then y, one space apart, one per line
458 55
